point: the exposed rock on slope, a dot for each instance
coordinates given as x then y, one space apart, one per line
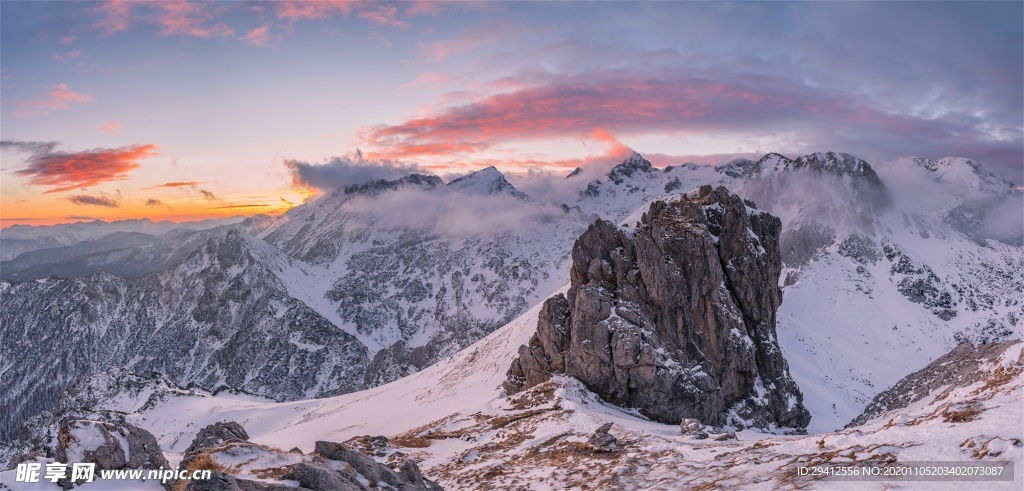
957 369
109 446
675 318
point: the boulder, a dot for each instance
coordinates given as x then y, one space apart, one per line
102 443
601 441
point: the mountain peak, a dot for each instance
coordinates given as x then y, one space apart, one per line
633 164
837 163
415 180
738 167
486 181
963 171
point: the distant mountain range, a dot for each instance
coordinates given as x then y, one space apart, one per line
884 268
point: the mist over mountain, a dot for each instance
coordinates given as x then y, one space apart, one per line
883 268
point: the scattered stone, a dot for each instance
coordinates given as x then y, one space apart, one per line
602 441
693 427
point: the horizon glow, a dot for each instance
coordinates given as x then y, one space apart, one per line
178 110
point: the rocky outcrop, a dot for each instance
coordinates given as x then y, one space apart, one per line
85 441
961 367
333 466
675 318
215 435
407 477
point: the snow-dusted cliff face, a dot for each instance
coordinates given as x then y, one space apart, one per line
885 268
222 317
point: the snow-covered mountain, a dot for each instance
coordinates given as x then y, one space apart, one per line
222 317
396 275
128 255
17 239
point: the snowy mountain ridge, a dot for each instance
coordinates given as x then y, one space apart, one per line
398 276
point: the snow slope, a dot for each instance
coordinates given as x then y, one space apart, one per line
454 419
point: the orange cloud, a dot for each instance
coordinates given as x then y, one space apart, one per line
231 207
64 171
176 184
59 97
617 148
111 127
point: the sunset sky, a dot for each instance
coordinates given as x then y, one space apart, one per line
184 110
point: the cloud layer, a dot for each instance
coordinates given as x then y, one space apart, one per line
64 171
345 171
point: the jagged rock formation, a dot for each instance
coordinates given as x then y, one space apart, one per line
675 318
959 368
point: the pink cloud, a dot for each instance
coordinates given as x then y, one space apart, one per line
625 103
382 14
117 16
296 10
259 36
183 18
432 80
66 40
64 171
70 55
111 127
472 38
57 98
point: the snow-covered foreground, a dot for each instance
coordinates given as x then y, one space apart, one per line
454 419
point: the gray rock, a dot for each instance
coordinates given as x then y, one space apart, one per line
218 481
216 435
675 318
213 436
362 463
317 475
143 451
602 441
407 478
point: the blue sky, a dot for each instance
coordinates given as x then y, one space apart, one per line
122 100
